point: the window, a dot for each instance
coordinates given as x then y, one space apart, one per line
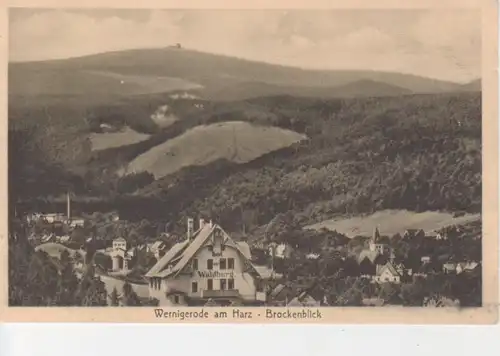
222 284
222 263
194 287
230 284
176 299
210 264
195 264
230 263
210 284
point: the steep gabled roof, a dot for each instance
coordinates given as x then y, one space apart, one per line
199 241
277 290
244 249
283 293
157 244
196 244
390 267
163 262
180 254
303 300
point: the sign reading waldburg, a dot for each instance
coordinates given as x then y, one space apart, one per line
215 274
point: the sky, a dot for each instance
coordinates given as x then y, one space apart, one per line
437 43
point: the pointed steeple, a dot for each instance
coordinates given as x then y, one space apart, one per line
376 235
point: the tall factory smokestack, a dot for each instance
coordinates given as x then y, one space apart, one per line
68 206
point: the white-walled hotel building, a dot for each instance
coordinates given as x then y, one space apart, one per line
207 266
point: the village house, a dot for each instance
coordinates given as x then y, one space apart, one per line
466 266
460 267
282 250
304 299
440 302
388 273
158 249
441 236
281 294
295 295
312 256
76 222
449 267
425 259
413 233
50 218
63 239
48 238
266 272
207 265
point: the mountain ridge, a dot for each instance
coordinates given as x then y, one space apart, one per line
212 71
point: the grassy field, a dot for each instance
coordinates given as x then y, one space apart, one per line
390 222
102 141
236 141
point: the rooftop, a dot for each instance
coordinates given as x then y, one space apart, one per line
174 261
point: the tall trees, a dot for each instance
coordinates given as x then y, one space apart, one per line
67 282
114 298
129 297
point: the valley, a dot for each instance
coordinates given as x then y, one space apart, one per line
347 142
278 156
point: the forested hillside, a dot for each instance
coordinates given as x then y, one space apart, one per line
420 152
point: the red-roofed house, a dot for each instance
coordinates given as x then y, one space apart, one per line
207 265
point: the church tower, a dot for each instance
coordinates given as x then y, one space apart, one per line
375 244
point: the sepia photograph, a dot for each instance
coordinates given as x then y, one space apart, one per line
307 159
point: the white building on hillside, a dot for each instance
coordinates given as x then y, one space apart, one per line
120 257
283 250
207 266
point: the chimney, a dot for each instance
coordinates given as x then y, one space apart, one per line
202 223
190 228
68 206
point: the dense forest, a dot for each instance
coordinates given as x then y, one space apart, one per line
415 153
